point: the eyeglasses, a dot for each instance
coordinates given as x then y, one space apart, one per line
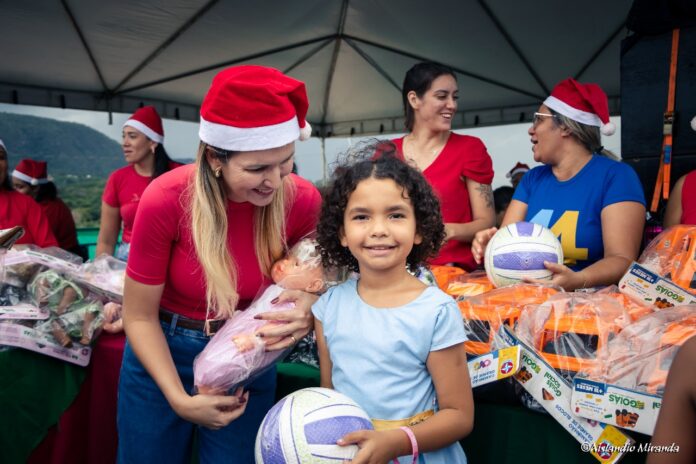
537 118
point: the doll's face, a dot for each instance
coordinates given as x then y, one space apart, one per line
292 274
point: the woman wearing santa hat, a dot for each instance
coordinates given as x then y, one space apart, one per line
143 138
30 177
204 240
17 209
457 166
594 204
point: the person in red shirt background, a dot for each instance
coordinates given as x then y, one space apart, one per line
681 207
204 240
458 167
17 209
143 138
30 177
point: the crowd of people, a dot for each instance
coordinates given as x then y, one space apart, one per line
200 241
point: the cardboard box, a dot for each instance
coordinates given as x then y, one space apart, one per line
493 366
605 442
628 409
647 287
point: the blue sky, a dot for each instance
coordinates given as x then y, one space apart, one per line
506 144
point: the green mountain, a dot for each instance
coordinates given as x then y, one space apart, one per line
69 148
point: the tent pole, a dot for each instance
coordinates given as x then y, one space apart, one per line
323 160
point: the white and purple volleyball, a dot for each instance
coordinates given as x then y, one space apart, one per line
304 426
519 250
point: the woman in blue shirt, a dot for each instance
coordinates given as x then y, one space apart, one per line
594 204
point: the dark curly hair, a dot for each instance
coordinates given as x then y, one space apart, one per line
378 160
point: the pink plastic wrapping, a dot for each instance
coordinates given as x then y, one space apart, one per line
235 355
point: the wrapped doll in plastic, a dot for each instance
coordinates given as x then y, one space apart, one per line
236 354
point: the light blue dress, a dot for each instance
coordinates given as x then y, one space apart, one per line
379 354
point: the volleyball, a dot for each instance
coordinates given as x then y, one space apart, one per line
305 425
519 250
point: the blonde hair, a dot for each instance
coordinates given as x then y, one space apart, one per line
209 228
588 136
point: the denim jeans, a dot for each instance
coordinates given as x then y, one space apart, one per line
151 432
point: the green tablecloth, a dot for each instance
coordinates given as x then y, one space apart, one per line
34 392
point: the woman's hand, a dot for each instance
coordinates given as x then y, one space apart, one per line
376 447
212 411
563 276
481 239
298 322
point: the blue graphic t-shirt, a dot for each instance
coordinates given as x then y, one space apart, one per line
572 209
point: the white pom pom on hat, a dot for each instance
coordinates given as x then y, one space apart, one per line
693 123
608 128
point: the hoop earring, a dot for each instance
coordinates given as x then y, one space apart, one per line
218 172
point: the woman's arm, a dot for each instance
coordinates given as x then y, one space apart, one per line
515 212
673 212
145 336
677 420
324 358
453 421
622 232
482 212
299 321
109 227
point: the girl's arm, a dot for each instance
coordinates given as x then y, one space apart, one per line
482 212
453 421
673 212
455 418
299 320
145 336
109 226
622 232
515 212
324 358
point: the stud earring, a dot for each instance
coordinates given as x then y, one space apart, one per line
218 172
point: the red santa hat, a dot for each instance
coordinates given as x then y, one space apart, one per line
147 121
251 108
584 103
519 168
31 172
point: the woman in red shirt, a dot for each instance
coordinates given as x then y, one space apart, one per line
204 240
30 177
17 209
457 166
681 207
143 138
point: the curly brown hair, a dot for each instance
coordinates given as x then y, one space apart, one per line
378 160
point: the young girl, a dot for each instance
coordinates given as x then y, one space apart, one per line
387 340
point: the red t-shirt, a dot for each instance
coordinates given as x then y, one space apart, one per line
123 190
463 156
688 199
17 209
61 221
162 249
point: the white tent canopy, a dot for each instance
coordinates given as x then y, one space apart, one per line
115 55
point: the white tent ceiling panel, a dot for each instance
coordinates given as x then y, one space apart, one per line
115 55
39 47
